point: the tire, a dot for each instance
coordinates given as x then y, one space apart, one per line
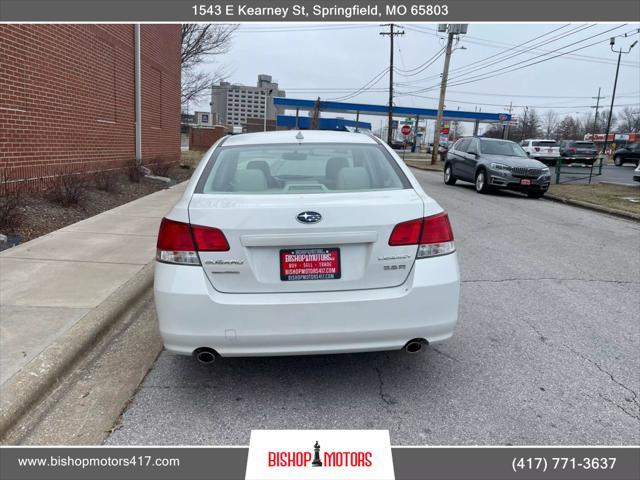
535 194
617 161
481 182
449 177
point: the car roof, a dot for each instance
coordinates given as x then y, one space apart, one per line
291 136
493 139
540 140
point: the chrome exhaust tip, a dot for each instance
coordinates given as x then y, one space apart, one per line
415 345
205 355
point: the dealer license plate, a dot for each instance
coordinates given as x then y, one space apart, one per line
310 264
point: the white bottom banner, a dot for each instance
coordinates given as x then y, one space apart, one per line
320 454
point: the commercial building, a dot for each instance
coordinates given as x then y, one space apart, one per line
68 98
233 104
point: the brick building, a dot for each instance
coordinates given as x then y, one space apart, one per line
67 98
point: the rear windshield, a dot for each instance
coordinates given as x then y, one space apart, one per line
546 143
499 147
296 169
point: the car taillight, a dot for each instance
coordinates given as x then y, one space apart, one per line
573 150
406 233
537 149
433 235
179 242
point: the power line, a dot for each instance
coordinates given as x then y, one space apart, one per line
365 87
463 79
422 67
494 44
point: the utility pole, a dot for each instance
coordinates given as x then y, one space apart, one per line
505 128
452 30
612 42
391 34
443 91
595 118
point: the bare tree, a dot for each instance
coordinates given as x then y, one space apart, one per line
201 42
550 122
629 120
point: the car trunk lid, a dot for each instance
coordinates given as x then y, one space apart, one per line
265 235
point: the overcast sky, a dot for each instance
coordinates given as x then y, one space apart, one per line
308 60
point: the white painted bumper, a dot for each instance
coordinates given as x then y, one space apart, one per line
192 314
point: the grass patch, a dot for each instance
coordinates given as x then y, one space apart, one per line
610 196
425 165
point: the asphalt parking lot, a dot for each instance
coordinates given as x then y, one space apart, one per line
546 350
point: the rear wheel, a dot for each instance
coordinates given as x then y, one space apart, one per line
535 194
617 161
481 182
449 178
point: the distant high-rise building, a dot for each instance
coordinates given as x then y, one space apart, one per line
233 104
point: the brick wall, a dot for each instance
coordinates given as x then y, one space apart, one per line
203 138
67 98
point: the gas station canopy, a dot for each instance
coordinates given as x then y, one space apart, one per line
383 110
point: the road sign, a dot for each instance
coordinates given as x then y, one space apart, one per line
405 130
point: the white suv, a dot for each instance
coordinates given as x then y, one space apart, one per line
307 242
544 150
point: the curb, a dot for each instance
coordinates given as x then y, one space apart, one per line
29 385
427 167
593 206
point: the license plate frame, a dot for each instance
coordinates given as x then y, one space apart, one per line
310 269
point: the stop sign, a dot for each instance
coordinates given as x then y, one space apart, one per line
405 130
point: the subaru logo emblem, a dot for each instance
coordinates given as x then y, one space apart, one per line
309 217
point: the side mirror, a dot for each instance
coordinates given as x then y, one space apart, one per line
528 154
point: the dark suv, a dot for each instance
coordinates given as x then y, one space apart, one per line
578 151
627 154
492 163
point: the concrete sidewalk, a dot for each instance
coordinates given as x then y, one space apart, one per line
49 284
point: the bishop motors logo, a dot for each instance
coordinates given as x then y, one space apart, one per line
320 454
331 458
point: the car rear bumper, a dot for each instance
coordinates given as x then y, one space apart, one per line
192 314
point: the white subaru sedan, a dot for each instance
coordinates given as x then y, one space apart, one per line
304 242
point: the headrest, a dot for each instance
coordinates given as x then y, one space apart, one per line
355 178
249 181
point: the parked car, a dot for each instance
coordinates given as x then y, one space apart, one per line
578 151
547 151
628 154
492 163
292 243
442 148
636 173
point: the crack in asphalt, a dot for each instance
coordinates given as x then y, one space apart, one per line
539 279
608 400
444 354
542 337
634 398
388 402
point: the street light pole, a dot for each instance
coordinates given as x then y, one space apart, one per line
524 123
620 51
266 98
